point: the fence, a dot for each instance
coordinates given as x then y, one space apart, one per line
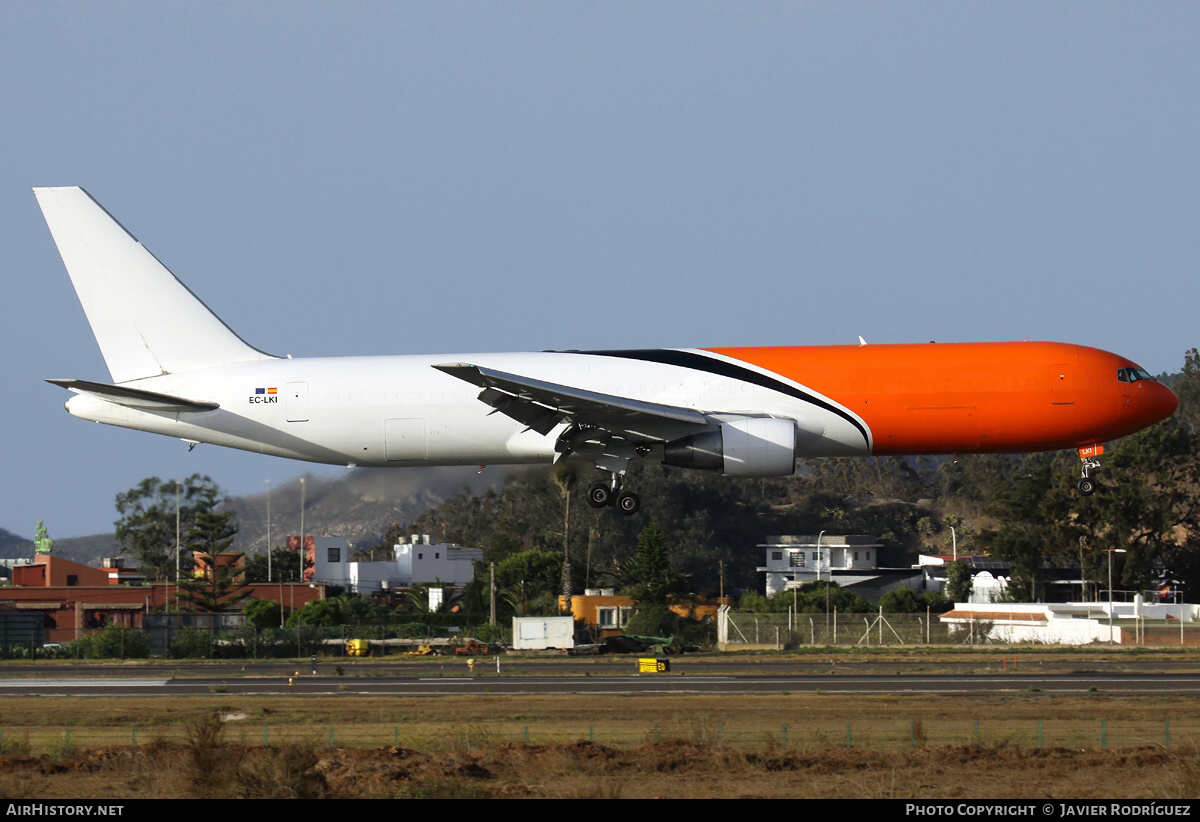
800 735
231 638
786 630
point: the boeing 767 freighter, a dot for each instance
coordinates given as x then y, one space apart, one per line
178 370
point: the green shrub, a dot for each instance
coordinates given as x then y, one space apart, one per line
114 642
191 643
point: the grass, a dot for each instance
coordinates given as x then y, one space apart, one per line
456 723
1020 744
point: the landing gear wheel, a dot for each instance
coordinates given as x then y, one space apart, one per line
1087 487
599 495
628 503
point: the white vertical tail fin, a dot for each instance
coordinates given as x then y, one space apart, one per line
145 320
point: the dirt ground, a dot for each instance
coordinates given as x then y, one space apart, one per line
671 769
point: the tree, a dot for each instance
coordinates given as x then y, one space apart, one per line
908 601
879 477
324 613
262 613
220 587
654 619
822 597
564 476
958 582
974 477
1149 503
285 566
146 530
1040 516
359 608
809 598
1187 387
650 580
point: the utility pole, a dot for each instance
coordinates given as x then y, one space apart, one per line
178 545
268 530
303 547
492 591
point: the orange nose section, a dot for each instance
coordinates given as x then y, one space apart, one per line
1154 402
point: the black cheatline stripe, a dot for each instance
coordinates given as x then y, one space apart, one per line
700 362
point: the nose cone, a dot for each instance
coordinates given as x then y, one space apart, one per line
1167 400
1153 401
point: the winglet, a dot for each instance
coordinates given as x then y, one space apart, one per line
464 371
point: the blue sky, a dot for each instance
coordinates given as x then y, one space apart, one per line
389 177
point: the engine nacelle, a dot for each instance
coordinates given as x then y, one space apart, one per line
750 447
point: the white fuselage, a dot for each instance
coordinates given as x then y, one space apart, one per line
399 410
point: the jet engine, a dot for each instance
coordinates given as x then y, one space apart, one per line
749 447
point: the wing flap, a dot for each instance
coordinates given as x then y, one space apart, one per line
542 405
135 397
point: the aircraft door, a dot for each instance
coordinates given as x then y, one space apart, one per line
297 402
404 440
1064 386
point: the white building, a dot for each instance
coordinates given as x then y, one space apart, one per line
417 562
1076 623
795 560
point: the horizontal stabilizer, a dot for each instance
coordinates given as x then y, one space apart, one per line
135 397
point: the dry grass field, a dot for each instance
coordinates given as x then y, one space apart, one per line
966 747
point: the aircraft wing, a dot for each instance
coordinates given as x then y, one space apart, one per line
543 405
135 397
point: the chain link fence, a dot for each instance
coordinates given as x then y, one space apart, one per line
745 630
784 630
799 735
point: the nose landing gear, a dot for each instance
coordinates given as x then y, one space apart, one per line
1088 454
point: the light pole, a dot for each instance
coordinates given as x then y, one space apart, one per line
268 531
827 584
177 531
178 545
303 547
1111 551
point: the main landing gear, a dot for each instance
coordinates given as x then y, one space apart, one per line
602 494
614 459
1088 454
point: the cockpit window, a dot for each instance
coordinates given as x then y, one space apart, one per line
1132 374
